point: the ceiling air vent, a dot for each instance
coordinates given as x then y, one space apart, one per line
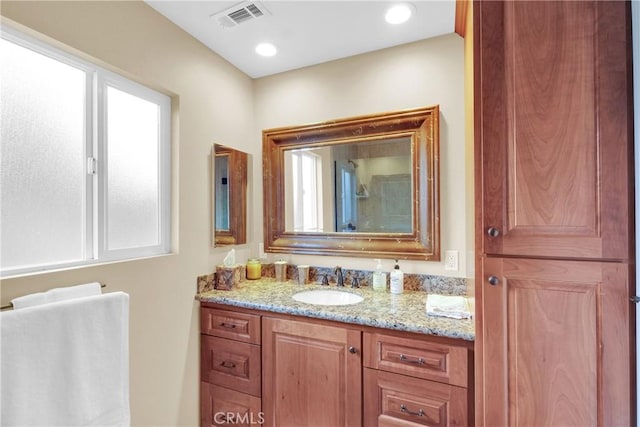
240 14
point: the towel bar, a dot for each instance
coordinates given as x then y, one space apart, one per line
10 305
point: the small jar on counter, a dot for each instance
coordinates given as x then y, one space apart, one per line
254 269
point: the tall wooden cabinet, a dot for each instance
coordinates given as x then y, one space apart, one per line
554 213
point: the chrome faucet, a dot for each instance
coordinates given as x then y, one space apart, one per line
355 283
339 277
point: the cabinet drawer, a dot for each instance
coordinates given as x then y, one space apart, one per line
397 400
418 358
231 364
228 324
221 406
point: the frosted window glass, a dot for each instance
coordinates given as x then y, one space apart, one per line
42 186
133 197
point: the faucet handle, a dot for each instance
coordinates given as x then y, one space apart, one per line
339 276
355 283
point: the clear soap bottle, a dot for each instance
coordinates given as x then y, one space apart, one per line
396 280
379 278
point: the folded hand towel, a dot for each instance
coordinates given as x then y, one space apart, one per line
29 300
66 363
456 307
70 292
57 294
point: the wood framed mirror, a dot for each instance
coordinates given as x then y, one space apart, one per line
362 187
229 182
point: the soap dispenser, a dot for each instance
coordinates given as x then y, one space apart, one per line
379 278
396 280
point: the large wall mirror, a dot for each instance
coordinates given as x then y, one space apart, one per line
363 186
229 172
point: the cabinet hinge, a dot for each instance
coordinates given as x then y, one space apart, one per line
635 299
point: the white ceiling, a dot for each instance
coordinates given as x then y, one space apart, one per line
305 32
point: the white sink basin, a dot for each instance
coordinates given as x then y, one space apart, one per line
327 297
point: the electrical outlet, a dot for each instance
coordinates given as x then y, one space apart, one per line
451 260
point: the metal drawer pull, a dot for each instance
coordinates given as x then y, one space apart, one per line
404 409
227 364
228 325
418 361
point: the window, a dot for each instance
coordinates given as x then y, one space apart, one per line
84 162
307 191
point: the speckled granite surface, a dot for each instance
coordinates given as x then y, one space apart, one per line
404 312
412 282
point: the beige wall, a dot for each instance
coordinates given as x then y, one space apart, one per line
215 105
415 75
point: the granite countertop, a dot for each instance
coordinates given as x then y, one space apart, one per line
404 312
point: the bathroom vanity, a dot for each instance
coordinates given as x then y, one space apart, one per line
267 358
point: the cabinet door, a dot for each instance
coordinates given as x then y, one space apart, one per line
553 128
311 374
555 343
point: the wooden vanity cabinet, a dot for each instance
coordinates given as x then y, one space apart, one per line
554 204
324 373
416 382
230 362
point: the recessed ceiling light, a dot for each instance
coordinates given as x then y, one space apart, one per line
399 13
266 49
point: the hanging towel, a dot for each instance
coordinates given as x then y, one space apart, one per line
456 307
57 294
66 363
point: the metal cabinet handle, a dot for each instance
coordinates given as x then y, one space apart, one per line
418 361
493 232
404 409
227 364
353 350
493 280
228 325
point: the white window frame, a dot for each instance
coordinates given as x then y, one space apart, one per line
103 81
95 147
309 185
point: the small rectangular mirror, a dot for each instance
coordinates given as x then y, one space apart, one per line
229 186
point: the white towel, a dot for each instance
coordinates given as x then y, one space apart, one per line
57 294
66 363
456 307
